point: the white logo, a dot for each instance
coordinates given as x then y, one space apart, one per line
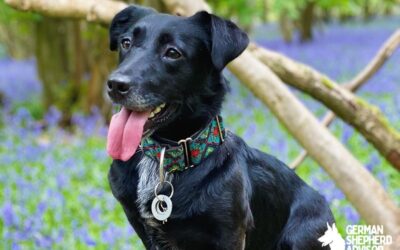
332 238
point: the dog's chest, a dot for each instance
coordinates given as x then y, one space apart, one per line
148 171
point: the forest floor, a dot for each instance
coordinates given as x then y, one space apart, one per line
54 192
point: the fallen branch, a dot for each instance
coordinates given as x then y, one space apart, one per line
366 118
359 186
377 62
185 8
101 11
373 66
326 121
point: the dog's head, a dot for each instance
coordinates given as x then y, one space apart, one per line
169 64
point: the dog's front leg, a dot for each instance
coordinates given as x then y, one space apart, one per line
243 241
237 241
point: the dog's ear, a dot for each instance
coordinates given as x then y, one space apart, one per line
228 41
123 20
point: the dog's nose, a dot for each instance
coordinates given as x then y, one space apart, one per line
118 85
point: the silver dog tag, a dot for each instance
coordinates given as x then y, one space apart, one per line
161 207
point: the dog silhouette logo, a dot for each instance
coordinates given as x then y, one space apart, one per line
332 238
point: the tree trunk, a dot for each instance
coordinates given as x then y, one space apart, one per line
100 61
367 11
65 58
306 22
52 61
286 27
17 46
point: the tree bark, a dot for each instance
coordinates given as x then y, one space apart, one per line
101 11
51 48
359 186
365 118
367 11
186 8
306 21
100 62
286 27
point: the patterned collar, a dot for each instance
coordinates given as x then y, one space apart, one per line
189 152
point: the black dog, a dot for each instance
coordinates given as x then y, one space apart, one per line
226 194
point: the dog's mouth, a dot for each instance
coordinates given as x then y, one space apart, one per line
158 117
129 126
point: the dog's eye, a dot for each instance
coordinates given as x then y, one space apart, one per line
126 43
172 53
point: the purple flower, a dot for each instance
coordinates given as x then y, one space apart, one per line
17 86
351 214
59 236
22 116
83 234
95 214
41 209
9 216
373 162
111 234
383 178
250 131
43 241
62 180
327 188
15 246
53 116
347 133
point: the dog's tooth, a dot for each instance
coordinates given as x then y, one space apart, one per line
162 105
151 115
158 109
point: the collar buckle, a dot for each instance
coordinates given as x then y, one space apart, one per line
186 149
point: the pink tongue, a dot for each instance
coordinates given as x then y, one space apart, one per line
125 133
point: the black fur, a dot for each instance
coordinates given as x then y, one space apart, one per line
238 195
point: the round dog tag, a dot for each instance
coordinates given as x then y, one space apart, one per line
161 207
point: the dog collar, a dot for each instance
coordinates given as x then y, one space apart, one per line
189 152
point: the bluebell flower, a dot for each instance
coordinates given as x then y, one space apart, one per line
10 218
351 214
373 162
95 214
83 234
250 131
347 133
15 246
19 87
110 234
22 116
62 180
43 241
53 116
383 179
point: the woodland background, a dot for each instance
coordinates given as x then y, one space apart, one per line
53 112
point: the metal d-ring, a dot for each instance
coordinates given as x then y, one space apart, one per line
219 129
158 184
161 168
